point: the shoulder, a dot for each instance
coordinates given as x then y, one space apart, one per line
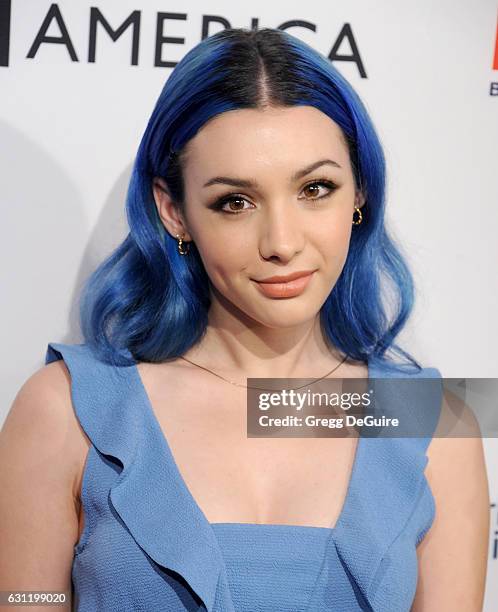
457 441
43 400
41 427
456 452
44 396
41 450
456 472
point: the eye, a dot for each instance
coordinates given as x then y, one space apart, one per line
314 192
235 204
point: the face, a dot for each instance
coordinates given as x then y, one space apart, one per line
267 193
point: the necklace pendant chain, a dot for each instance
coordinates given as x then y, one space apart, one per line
262 388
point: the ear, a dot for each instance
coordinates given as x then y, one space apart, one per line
168 211
359 199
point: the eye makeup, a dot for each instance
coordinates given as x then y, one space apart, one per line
219 204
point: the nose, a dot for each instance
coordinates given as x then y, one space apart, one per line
282 233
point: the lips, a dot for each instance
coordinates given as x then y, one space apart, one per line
285 279
296 284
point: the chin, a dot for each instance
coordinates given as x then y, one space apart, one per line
282 314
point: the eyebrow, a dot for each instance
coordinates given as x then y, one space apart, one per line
246 183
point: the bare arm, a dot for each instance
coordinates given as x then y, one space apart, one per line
453 554
42 452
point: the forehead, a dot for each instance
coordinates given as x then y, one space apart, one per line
286 137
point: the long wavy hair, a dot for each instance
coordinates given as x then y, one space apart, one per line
147 301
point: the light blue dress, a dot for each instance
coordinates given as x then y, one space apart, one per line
147 545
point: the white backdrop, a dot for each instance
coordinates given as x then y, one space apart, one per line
70 127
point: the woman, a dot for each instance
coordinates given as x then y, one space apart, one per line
257 248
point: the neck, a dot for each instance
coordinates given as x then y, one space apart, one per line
239 348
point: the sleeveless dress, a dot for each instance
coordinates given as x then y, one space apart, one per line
147 545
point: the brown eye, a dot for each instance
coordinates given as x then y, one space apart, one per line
232 204
313 191
235 204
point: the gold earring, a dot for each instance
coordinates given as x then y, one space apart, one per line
360 216
181 249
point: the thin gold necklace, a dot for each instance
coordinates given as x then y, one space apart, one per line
262 388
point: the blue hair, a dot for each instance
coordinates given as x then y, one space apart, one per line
148 300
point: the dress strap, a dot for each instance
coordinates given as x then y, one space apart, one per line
100 394
149 496
390 505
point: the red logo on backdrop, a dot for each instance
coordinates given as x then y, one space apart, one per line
495 60
493 86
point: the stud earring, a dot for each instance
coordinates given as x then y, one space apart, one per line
360 216
181 249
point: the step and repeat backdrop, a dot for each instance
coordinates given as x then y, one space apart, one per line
78 81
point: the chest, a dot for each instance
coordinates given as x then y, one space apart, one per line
233 478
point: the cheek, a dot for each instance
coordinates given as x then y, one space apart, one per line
223 256
332 239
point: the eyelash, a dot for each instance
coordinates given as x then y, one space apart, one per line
218 205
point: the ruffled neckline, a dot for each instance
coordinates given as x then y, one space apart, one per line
157 508
196 545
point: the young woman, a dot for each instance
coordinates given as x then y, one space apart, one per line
257 248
